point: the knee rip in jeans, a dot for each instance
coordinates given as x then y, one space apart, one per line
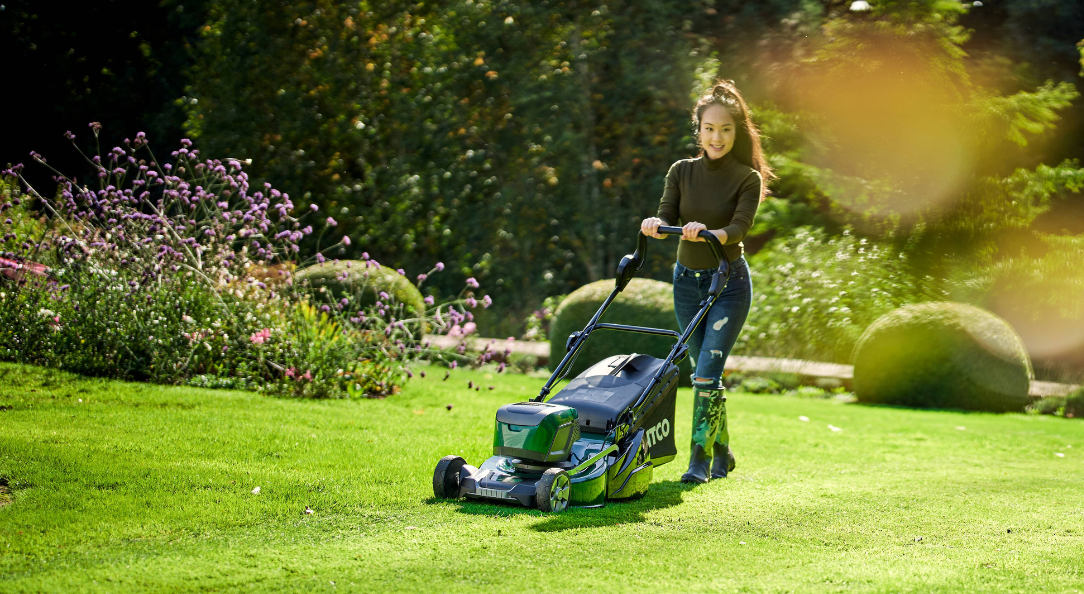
706 383
718 325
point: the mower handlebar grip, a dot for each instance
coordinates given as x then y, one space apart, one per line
713 241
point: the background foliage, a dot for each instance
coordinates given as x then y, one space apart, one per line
521 141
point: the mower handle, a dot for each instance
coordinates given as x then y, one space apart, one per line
713 241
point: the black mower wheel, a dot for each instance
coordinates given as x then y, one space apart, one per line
553 490
446 477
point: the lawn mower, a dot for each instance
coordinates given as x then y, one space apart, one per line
601 436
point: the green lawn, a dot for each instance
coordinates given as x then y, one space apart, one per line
119 487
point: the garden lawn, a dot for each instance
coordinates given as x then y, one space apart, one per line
131 487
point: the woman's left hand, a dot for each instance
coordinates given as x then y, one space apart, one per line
690 230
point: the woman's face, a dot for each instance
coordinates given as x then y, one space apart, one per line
717 131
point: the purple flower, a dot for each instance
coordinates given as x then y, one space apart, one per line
325 308
486 301
314 208
422 277
454 364
428 300
401 271
439 266
472 283
383 295
331 222
320 258
471 302
346 239
307 230
69 135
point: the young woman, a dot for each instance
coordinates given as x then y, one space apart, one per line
719 191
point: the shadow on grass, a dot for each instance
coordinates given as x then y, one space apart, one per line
660 495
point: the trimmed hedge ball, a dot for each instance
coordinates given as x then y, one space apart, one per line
942 355
363 281
644 302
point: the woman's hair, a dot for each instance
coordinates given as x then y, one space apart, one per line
746 148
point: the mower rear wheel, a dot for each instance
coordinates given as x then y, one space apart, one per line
446 479
553 490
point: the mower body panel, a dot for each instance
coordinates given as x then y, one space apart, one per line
535 431
502 478
604 391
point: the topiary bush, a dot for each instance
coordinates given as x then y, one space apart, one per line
362 281
644 302
942 355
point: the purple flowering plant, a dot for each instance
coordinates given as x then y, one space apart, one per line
183 272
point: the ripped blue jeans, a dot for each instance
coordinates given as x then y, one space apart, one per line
711 341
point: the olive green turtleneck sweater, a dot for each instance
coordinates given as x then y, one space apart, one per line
720 193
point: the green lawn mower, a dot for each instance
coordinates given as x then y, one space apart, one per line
601 436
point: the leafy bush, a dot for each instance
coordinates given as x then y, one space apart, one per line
180 272
813 295
1040 296
538 323
644 302
760 385
942 355
364 281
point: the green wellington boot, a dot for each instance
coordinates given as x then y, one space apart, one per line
708 411
722 456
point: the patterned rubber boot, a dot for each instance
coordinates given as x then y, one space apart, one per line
722 456
708 411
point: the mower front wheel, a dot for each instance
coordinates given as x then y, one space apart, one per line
446 478
552 491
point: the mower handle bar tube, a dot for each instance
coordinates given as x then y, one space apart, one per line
713 241
629 265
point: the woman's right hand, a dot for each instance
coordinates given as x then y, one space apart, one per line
650 227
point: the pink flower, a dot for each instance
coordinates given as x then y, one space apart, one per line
428 300
290 373
346 239
401 271
260 337
468 328
439 266
471 302
331 222
421 277
486 301
472 283
307 376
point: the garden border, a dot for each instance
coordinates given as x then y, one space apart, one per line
816 369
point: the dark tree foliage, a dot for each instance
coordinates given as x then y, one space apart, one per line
118 62
521 142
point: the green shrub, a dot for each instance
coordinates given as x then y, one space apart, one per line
760 385
644 302
362 281
1040 296
942 355
813 295
1074 404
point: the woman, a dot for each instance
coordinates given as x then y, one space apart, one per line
719 191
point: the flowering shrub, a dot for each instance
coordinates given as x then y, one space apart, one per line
183 272
538 323
813 296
